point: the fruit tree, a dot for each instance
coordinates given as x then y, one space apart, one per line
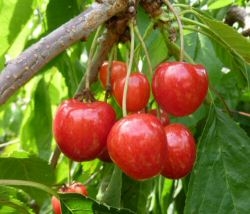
125 106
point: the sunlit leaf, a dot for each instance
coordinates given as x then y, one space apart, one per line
219 4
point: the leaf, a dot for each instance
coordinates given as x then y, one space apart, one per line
220 182
30 169
77 204
110 187
58 14
163 194
219 4
136 194
229 37
13 200
38 129
14 31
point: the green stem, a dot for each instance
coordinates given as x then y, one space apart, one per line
85 79
131 56
145 50
27 183
180 28
108 83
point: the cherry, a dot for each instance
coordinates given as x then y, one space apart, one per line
180 87
73 188
180 153
136 143
81 129
138 91
118 70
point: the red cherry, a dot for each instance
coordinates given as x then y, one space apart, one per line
138 91
180 153
77 187
73 188
179 87
81 129
164 118
118 70
56 205
136 143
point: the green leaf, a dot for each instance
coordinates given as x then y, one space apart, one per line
14 31
229 37
38 129
163 194
220 182
13 201
59 13
78 204
136 194
110 186
219 4
29 169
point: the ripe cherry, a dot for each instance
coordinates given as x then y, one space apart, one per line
180 153
73 188
118 70
180 87
138 91
81 129
137 144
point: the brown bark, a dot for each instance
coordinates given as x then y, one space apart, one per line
20 70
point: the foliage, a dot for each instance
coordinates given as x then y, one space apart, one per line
220 180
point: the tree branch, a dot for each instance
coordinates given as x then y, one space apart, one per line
20 70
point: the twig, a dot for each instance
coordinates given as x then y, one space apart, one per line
20 70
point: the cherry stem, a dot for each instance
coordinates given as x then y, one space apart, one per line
91 56
131 56
108 83
27 183
137 32
171 8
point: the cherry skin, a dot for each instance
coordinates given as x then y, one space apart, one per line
138 92
118 70
164 118
81 129
180 87
136 143
73 188
180 153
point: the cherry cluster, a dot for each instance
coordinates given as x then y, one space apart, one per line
144 143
